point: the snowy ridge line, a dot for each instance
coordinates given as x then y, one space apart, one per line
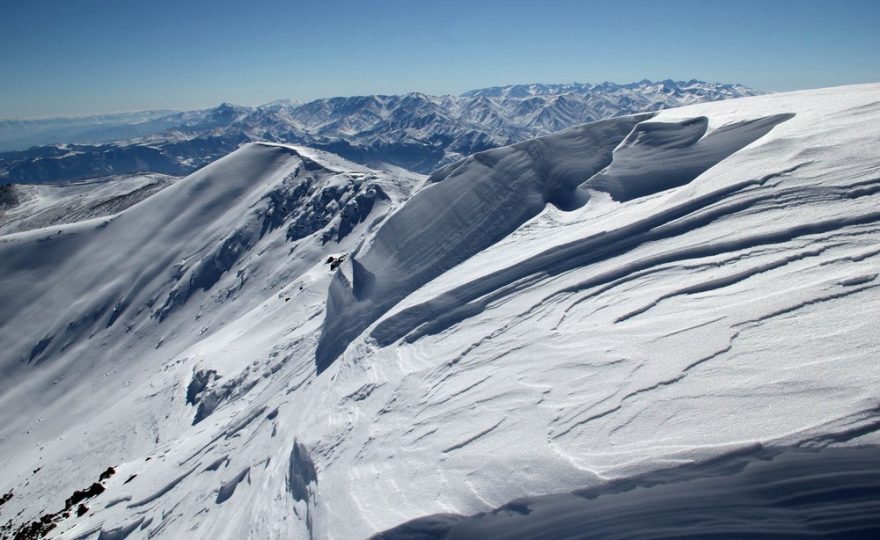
493 193
442 321
478 202
470 299
659 155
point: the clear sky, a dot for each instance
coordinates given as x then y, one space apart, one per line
87 56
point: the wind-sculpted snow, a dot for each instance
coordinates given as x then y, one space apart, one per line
661 155
662 324
469 300
466 209
490 195
756 493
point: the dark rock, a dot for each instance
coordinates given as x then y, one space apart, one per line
107 474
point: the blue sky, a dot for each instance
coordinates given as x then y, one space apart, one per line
87 56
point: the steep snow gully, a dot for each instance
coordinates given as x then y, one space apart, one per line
663 321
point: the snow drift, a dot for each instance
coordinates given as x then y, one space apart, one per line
491 194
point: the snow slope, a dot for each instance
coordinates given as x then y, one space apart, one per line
27 207
137 288
571 313
751 493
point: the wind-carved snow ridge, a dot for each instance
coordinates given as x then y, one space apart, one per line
661 155
478 202
467 208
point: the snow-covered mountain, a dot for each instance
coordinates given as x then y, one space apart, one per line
415 131
660 91
672 313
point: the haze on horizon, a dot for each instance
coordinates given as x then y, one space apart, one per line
60 58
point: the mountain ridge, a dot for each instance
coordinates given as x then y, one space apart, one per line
414 130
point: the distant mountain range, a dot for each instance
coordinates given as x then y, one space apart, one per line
415 131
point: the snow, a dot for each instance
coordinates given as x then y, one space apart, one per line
39 206
636 295
413 130
753 493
